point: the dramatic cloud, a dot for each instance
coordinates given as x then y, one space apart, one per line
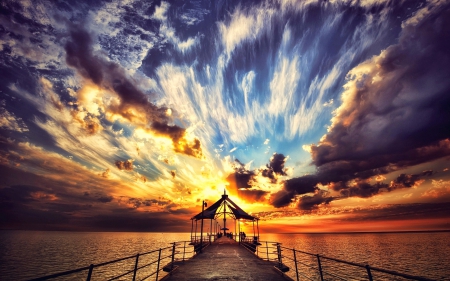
124 165
119 115
307 202
252 195
405 180
354 188
293 187
395 113
133 104
385 96
275 167
362 188
241 178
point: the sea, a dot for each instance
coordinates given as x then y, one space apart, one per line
26 255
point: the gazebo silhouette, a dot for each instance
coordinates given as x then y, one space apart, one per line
222 209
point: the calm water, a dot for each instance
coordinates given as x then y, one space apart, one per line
425 254
28 254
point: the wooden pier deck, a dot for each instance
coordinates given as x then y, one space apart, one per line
224 260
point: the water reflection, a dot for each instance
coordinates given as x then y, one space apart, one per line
421 253
29 254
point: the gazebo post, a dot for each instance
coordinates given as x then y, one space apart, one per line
257 226
224 215
201 228
240 233
192 227
235 228
195 236
254 234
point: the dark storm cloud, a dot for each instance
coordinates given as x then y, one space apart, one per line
18 193
361 188
60 217
282 198
356 188
124 165
28 207
252 195
109 75
293 187
307 202
395 113
242 177
401 212
400 104
405 180
105 199
275 167
244 185
32 207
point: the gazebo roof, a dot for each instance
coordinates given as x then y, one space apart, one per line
217 208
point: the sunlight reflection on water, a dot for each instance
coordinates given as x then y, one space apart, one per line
423 253
30 254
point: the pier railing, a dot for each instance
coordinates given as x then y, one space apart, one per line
309 266
142 266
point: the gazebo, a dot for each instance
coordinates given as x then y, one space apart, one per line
220 210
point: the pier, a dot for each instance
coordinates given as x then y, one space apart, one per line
215 256
225 259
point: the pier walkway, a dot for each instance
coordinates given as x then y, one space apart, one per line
224 260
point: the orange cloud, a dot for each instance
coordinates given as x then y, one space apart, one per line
128 101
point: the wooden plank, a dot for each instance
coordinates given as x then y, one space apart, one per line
225 260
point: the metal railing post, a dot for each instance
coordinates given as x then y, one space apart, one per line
135 267
157 267
91 268
184 249
257 251
295 261
267 248
173 256
369 273
280 262
320 267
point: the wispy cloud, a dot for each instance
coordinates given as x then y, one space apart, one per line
361 142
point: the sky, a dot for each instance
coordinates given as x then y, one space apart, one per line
313 115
